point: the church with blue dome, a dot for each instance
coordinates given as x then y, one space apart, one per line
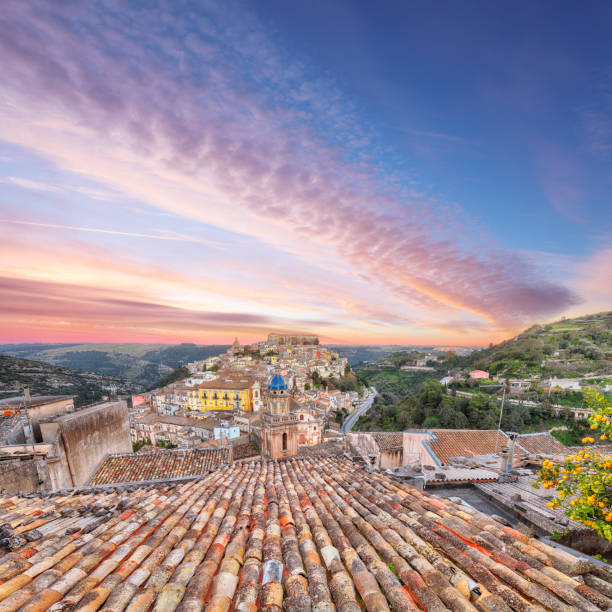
277 383
279 426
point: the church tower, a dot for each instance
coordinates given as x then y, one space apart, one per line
279 426
278 396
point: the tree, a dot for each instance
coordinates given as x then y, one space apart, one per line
451 417
430 397
347 369
431 422
584 481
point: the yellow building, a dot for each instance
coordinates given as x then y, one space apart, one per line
222 395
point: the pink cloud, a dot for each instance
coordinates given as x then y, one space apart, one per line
234 149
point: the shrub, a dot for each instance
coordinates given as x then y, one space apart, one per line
584 481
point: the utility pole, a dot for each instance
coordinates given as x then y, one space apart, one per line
501 414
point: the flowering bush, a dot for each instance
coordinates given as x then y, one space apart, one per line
584 481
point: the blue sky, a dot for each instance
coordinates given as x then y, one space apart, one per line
397 172
482 105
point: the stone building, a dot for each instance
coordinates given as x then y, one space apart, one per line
293 339
229 393
279 425
66 445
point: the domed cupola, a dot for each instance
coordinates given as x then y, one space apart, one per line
277 383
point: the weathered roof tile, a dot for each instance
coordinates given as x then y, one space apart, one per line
298 535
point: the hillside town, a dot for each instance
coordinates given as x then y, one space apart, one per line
254 433
225 397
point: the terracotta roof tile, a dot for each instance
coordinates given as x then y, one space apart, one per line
448 443
541 443
306 534
244 450
389 440
175 463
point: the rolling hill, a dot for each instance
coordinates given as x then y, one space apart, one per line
45 379
142 364
567 348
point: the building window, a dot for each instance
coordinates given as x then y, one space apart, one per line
285 441
301 417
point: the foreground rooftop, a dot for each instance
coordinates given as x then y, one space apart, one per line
174 463
303 534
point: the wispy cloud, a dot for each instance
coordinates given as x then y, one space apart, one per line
216 126
29 184
170 237
25 183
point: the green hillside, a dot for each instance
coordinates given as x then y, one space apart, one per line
567 348
570 348
45 379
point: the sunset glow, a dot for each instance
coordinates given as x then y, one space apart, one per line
201 171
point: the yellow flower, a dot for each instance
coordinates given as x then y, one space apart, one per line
609 517
593 426
602 437
550 505
601 505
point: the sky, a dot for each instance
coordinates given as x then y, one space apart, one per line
376 173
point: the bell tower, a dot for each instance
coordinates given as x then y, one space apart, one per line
278 396
279 425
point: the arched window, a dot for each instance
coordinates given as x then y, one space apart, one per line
204 396
225 396
215 395
285 441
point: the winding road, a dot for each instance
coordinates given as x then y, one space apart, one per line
361 409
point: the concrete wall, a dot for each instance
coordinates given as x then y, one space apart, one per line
391 458
47 411
22 475
414 451
91 434
49 431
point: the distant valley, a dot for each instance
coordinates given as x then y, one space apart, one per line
142 364
46 379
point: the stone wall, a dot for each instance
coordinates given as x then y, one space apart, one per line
48 411
391 458
89 435
20 475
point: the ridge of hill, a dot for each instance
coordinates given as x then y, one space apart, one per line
46 379
567 348
142 364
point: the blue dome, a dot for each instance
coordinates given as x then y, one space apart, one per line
277 383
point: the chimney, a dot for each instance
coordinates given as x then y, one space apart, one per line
513 436
504 459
